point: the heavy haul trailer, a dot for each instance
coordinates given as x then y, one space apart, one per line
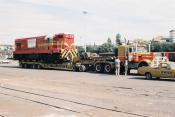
56 52
136 55
97 64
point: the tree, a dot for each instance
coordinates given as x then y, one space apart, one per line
109 40
118 39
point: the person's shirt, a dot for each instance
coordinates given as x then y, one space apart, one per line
117 62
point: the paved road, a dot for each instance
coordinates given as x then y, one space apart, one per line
53 93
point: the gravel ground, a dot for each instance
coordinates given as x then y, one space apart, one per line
54 93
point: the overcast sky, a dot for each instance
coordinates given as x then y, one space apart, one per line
105 18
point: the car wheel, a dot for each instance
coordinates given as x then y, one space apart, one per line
148 76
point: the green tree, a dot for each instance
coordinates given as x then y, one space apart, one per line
118 39
109 41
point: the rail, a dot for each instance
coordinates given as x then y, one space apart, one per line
65 100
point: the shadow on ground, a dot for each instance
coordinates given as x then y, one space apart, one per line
154 79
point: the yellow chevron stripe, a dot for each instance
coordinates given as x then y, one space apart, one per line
74 52
64 53
67 54
72 55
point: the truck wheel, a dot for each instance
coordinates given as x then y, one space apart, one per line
108 68
98 68
148 76
82 68
75 69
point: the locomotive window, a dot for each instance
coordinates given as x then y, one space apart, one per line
18 45
60 36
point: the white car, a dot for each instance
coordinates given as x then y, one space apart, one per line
4 61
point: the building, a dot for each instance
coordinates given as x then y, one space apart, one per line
6 51
172 36
162 39
6 48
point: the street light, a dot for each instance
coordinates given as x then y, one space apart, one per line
85 13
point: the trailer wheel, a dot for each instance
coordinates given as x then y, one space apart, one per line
38 66
20 65
108 68
75 69
24 65
33 66
82 68
98 68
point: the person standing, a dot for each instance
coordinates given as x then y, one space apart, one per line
126 67
117 66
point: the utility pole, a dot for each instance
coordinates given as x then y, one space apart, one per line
85 26
126 57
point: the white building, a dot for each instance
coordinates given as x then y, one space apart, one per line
172 36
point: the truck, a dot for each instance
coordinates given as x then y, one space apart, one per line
137 55
59 52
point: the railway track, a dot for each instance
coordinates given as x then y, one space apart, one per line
63 100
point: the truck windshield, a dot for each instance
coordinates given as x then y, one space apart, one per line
139 49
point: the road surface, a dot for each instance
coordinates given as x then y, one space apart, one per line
54 93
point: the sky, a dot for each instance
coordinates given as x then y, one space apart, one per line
105 18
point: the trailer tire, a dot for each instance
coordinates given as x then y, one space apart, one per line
75 69
82 68
33 66
108 68
22 65
25 66
38 66
98 68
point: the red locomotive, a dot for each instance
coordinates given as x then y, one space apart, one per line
36 51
